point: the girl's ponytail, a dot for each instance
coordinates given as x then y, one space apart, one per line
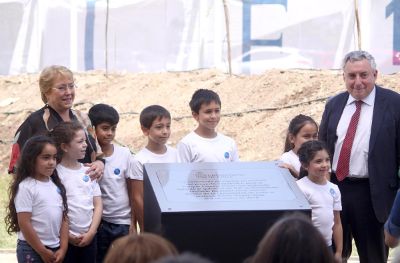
63 192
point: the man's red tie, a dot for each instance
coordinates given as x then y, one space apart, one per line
342 169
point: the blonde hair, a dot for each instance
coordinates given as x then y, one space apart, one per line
48 76
142 248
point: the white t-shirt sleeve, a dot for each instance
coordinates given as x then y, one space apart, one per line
291 158
235 153
184 152
130 171
285 158
23 200
303 188
337 199
136 168
96 189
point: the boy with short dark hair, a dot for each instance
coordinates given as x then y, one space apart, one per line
119 187
155 122
205 144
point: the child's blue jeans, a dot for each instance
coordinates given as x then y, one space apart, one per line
82 254
106 234
26 254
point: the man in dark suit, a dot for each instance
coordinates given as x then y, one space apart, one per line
363 122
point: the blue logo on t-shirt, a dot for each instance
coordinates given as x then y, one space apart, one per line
117 171
86 178
333 193
58 190
226 155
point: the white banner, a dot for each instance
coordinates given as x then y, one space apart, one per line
179 35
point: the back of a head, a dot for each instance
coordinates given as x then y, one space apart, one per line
293 239
143 248
103 113
186 257
151 113
203 96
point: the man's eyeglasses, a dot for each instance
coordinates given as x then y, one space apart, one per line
64 87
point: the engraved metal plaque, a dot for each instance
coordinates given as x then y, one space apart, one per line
204 207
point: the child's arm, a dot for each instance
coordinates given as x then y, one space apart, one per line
87 238
132 226
25 225
292 171
337 235
136 199
60 253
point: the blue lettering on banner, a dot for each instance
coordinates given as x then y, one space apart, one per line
247 41
394 8
89 34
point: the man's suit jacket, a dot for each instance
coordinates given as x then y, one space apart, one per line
384 145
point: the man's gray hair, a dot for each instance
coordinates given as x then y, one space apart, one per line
357 56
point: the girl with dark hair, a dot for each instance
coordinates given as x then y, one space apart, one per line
37 210
84 196
322 195
301 129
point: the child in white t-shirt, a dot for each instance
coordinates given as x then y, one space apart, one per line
118 184
322 195
37 210
205 144
83 194
155 122
301 129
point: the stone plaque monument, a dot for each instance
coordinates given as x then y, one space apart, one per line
219 210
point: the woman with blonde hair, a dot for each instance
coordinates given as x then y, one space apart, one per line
57 90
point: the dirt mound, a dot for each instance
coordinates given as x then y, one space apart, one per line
257 109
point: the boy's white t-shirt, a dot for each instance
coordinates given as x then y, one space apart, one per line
113 185
323 199
80 192
194 148
44 201
291 158
147 156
